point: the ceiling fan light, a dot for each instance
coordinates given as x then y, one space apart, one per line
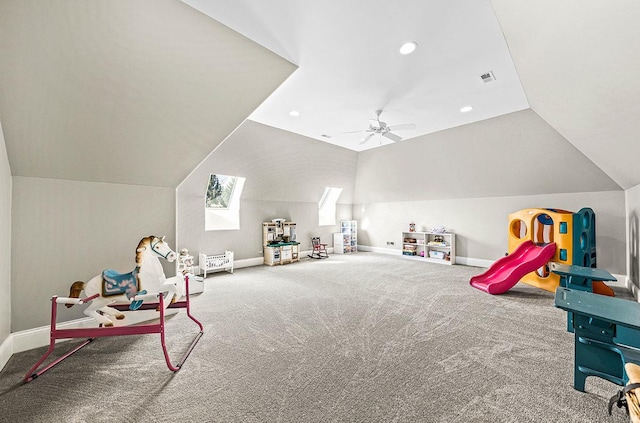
408 47
466 109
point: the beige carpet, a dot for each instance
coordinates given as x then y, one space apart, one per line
360 338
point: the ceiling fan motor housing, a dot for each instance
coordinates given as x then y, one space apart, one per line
378 126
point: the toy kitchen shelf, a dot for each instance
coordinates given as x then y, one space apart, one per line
279 245
430 247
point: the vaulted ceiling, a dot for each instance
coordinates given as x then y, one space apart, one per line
133 92
350 64
579 63
106 90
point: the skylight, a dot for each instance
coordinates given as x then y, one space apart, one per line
327 206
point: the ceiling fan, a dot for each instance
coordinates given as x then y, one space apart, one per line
376 126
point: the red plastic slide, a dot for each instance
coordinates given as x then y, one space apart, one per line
507 271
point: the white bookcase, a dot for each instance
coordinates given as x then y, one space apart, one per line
428 246
346 241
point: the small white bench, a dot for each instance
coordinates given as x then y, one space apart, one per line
216 262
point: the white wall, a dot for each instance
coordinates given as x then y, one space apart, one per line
632 196
481 224
5 242
65 231
286 175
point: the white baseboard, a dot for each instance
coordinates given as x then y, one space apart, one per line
256 261
622 280
6 350
465 261
469 261
635 291
39 337
29 339
380 250
259 261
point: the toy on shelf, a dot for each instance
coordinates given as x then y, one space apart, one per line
147 277
573 236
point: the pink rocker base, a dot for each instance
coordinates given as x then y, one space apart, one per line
93 333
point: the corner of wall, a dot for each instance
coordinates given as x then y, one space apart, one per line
6 350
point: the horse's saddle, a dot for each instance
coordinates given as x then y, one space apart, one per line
115 283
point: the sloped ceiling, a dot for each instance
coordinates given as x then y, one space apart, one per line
105 90
133 92
579 64
576 61
279 166
510 155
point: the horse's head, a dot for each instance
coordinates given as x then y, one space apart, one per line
156 246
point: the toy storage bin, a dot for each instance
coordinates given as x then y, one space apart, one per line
436 254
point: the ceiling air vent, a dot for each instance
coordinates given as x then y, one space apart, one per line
487 77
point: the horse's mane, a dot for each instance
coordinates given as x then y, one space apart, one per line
141 246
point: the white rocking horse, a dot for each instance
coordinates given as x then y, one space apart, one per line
147 277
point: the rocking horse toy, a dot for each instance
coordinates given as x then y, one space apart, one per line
109 293
111 286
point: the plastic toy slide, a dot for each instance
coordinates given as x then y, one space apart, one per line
507 271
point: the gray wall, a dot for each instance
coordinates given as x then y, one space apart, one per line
470 179
286 175
5 242
63 231
481 224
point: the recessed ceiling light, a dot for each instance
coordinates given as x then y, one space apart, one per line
466 109
294 113
408 47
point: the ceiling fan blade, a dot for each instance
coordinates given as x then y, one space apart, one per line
402 127
352 132
392 137
367 138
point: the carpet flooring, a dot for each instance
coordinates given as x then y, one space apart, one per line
357 338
